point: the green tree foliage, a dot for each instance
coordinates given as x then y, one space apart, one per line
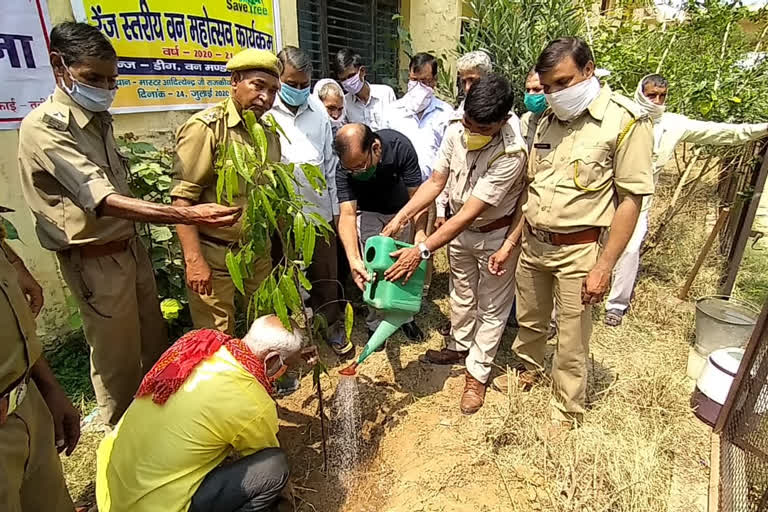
150 179
274 211
514 32
703 58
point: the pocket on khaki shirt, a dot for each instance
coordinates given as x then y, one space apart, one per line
592 167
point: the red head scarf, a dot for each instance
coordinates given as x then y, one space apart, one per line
177 363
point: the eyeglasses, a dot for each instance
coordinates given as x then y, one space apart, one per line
368 162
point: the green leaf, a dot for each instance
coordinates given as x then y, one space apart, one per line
308 248
10 230
265 204
319 323
321 222
349 320
160 233
233 266
221 178
280 310
238 159
275 126
260 141
303 280
170 309
291 295
233 185
298 229
314 176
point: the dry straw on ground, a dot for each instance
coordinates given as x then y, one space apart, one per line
640 448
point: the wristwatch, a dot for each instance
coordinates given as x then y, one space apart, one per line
425 252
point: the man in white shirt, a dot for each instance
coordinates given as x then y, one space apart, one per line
668 131
366 103
423 118
307 139
471 67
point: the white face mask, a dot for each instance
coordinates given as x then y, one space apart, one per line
569 103
87 96
418 98
653 110
353 84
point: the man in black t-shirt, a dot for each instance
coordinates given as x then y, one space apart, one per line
379 172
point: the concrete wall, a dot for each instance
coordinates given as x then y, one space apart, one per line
435 26
154 127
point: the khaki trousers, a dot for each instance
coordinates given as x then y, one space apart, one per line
480 301
545 271
217 310
123 326
31 478
371 224
323 274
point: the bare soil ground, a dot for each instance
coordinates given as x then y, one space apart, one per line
640 449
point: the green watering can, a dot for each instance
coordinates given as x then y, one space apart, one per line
396 300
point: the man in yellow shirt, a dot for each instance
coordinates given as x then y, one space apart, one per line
206 398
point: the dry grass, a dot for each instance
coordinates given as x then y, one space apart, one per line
640 448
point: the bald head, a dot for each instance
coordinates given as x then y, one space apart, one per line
358 147
267 334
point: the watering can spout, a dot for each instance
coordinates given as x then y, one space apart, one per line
392 321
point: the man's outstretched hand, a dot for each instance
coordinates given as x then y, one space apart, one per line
407 262
212 214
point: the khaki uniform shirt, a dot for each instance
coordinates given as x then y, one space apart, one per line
19 346
528 123
577 172
493 174
69 163
197 143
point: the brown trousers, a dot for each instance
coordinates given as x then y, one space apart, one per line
31 479
117 297
323 274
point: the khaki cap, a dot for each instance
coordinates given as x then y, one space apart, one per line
256 59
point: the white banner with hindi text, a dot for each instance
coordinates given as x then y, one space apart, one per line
26 78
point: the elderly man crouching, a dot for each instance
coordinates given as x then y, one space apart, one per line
206 398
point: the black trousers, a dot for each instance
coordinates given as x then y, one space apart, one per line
251 484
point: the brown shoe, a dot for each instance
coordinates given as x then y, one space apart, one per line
445 356
555 432
521 378
474 395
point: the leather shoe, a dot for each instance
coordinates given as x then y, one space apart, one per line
521 378
445 356
412 331
474 395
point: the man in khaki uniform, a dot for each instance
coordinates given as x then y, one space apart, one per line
75 182
255 82
482 162
589 168
36 417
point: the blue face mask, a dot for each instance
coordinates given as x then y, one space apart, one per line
293 96
536 103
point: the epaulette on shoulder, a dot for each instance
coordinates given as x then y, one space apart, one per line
209 115
628 105
58 119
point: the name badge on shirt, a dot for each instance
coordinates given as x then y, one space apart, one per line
542 145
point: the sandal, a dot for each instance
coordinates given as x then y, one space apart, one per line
613 317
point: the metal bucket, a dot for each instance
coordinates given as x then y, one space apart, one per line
722 322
